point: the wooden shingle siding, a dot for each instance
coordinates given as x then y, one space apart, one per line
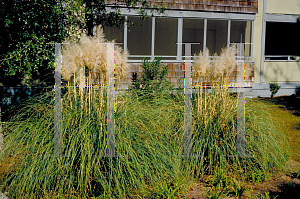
231 6
239 6
176 71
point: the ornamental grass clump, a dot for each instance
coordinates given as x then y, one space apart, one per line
149 137
215 125
85 65
145 148
90 54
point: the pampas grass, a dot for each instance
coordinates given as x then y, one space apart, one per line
86 62
91 52
229 60
149 135
216 71
213 73
214 122
201 66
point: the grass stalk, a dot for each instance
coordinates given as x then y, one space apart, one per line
90 90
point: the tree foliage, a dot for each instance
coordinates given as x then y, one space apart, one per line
28 25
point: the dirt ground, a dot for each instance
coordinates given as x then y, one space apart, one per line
282 185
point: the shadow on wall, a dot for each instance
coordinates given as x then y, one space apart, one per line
280 73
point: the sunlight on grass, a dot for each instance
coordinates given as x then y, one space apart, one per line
149 135
286 122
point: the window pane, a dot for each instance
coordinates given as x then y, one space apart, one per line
282 39
113 33
216 35
240 32
193 32
139 36
165 37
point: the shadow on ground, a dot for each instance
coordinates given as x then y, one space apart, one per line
287 190
291 103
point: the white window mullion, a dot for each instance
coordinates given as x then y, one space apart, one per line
228 33
179 39
125 33
205 33
153 38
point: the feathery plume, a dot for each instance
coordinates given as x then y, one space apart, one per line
92 53
201 65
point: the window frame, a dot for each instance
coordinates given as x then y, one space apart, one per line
180 15
280 19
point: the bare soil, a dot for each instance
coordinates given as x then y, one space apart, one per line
282 184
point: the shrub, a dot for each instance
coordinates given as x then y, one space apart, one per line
153 77
135 81
274 87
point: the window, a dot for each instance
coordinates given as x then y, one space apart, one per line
240 32
166 38
216 35
282 41
193 32
139 37
113 33
142 43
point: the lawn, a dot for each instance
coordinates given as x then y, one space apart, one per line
286 110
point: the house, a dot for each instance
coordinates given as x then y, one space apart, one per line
268 29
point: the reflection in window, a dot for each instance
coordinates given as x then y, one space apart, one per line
139 36
165 37
193 32
240 32
216 35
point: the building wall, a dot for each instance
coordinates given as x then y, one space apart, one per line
291 7
281 71
288 69
257 39
239 6
285 71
